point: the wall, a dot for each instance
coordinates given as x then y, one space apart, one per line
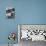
6 25
31 11
27 12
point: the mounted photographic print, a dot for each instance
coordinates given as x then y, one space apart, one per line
32 32
10 12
